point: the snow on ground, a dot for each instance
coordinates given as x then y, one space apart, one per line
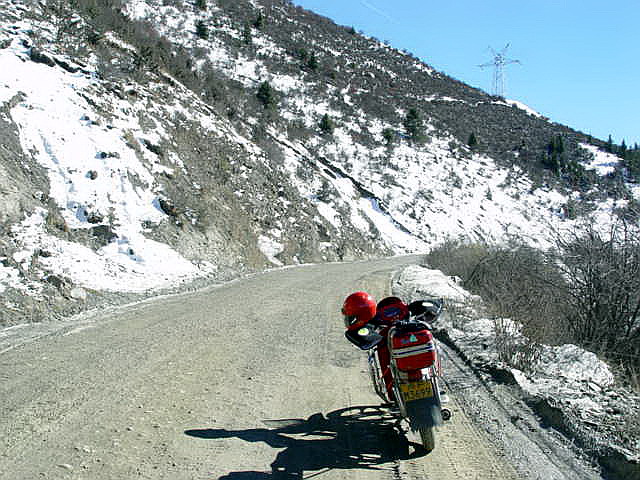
364 211
127 264
10 278
422 281
603 163
562 371
521 106
577 386
422 195
270 247
95 178
436 194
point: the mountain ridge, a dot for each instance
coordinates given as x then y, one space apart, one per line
138 153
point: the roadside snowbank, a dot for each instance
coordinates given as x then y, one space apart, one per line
574 390
565 364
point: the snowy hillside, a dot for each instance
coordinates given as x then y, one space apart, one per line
128 166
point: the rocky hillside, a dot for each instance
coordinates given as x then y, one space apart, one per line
148 143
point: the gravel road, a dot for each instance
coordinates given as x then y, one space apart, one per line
249 380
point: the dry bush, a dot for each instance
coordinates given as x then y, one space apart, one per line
513 282
602 280
460 313
521 283
585 291
515 349
457 257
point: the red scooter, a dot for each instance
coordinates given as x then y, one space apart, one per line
404 363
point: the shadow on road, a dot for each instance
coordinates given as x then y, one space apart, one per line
364 437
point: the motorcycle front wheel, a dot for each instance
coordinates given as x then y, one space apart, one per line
428 438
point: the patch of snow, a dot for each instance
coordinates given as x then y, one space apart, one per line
287 83
432 98
129 263
115 40
603 162
575 364
95 178
9 277
425 281
329 213
138 10
521 106
270 248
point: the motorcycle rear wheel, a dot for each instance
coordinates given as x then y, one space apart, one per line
428 438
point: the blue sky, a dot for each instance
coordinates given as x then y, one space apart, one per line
580 59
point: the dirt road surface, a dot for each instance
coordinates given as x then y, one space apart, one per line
249 380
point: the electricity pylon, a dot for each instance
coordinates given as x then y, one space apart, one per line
499 62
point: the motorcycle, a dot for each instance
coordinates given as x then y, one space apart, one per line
414 370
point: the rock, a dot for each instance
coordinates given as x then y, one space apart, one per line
103 233
594 386
40 57
66 65
78 293
94 218
167 207
103 155
56 281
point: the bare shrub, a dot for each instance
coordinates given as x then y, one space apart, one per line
632 424
586 290
460 314
457 257
517 285
602 281
515 349
633 376
515 281
523 284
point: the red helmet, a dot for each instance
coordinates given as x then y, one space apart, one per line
358 309
392 309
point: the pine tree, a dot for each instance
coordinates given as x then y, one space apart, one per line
266 95
312 63
259 21
473 141
389 135
247 37
326 124
201 30
555 160
413 125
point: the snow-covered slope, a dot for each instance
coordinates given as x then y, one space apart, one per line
130 178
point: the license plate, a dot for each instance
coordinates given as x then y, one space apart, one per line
416 390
